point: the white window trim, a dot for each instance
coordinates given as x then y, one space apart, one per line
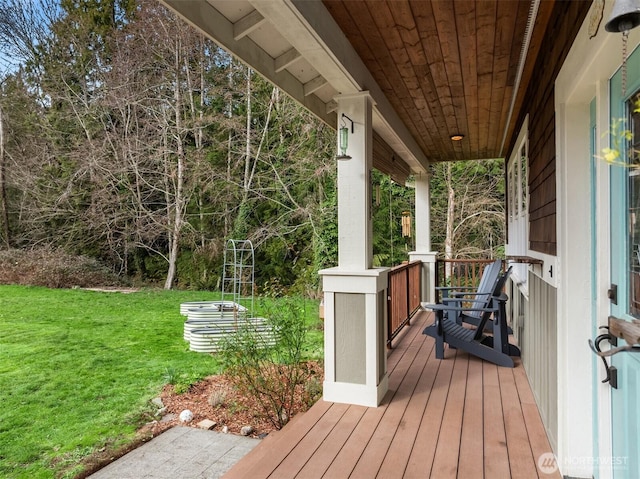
518 205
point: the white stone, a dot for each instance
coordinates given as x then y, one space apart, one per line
186 416
246 430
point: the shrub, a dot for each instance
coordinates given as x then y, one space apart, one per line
54 268
272 373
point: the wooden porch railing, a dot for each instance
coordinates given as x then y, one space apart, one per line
463 272
403 298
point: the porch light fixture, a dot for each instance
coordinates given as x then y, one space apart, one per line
344 138
457 137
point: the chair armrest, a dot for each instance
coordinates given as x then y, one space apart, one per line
445 307
455 302
449 288
466 296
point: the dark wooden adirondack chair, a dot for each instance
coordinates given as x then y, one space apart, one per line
456 296
495 349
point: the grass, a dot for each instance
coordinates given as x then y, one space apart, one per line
78 370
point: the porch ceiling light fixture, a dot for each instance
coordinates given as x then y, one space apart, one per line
457 137
344 138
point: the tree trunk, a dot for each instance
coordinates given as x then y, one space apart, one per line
451 208
247 153
3 186
174 239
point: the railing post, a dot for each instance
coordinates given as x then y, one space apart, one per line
408 295
389 310
428 271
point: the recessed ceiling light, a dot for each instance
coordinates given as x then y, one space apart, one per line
456 137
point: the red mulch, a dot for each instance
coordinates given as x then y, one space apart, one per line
237 410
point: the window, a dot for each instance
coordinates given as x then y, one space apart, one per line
518 205
633 205
524 181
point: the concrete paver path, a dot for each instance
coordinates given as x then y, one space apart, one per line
180 452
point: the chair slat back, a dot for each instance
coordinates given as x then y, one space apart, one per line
487 285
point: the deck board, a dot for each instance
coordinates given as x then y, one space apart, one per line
495 441
324 456
372 458
520 455
291 465
454 418
395 461
445 462
422 454
471 460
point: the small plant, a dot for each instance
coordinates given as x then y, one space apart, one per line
217 398
170 376
621 136
236 407
313 391
181 388
272 373
181 382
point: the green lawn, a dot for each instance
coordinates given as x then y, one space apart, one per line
78 369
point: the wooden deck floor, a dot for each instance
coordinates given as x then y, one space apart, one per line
456 418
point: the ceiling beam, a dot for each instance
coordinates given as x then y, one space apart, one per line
287 59
314 85
215 26
314 36
247 24
312 31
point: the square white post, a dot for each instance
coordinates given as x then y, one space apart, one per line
423 239
355 294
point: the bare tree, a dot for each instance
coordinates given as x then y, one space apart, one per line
3 185
469 196
25 26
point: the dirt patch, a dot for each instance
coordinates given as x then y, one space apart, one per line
114 290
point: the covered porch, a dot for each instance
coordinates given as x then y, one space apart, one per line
405 84
459 417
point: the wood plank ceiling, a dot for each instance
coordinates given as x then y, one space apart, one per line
447 67
434 68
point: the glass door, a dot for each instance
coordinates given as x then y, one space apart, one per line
625 268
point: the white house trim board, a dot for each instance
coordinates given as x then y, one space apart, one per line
603 275
518 213
574 289
583 77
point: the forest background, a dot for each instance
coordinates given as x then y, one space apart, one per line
129 138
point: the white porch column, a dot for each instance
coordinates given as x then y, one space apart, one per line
355 293
423 238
